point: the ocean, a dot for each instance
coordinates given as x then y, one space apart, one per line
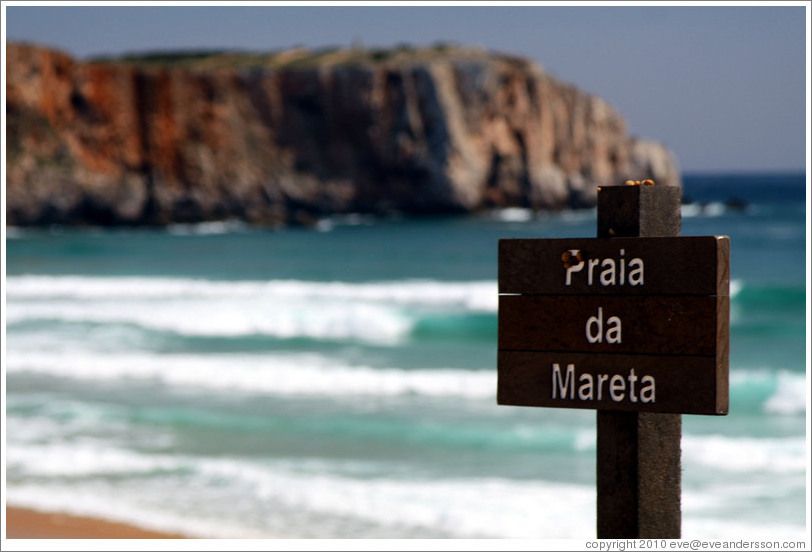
340 381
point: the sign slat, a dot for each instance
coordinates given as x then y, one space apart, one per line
615 266
664 325
642 383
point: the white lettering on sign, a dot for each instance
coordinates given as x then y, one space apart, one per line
594 329
609 271
569 257
594 387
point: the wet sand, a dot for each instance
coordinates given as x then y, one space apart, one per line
22 523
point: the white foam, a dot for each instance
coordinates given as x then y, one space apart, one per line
586 440
707 527
712 209
787 390
282 317
485 507
476 295
15 232
94 477
789 396
292 374
746 454
736 286
351 219
55 419
482 507
207 228
513 214
748 507
690 210
384 312
84 459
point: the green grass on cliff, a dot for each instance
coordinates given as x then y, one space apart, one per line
292 58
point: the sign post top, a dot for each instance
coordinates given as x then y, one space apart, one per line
639 211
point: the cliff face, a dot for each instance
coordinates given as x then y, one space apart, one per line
272 142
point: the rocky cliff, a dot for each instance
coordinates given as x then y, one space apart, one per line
291 136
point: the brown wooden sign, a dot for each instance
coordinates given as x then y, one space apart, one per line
643 383
615 266
654 325
615 323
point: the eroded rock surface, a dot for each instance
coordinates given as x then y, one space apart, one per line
289 137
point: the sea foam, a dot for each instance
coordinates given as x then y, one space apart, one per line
274 374
286 496
378 312
746 454
476 295
296 490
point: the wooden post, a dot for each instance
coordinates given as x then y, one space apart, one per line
638 453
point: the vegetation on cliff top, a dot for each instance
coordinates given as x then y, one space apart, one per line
292 58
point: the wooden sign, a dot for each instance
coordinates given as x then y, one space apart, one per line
637 329
635 323
615 266
642 383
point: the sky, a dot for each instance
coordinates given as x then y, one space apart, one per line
724 87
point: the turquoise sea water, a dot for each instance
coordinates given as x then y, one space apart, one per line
340 381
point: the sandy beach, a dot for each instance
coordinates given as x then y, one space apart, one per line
22 523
